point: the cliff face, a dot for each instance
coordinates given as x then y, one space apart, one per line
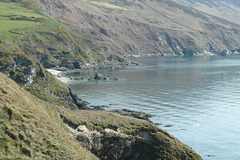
156 26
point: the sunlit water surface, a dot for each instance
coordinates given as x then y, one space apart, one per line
196 99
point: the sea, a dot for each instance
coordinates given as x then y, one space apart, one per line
195 99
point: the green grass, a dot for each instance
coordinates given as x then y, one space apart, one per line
8 25
18 23
31 129
49 26
100 120
8 10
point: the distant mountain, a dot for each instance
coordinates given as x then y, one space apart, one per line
148 26
227 9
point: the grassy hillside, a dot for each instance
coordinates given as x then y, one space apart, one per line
32 129
46 40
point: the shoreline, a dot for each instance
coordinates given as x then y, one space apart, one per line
57 71
194 54
57 74
125 112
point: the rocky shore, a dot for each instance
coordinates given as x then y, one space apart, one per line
101 65
204 53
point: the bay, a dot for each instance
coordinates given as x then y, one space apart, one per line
196 99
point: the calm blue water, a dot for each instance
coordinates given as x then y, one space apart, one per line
199 97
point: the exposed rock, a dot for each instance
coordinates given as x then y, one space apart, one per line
114 137
99 76
18 66
25 71
78 101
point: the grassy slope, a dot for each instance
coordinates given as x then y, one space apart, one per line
31 128
8 10
49 41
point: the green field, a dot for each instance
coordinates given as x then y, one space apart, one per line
27 31
9 10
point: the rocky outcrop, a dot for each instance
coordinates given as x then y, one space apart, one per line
18 66
81 104
114 137
99 76
37 80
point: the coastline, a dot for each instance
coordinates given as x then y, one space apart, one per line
125 112
57 73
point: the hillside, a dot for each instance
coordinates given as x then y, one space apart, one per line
32 129
149 26
227 9
73 34
48 41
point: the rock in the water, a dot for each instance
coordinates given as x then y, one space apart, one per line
99 76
